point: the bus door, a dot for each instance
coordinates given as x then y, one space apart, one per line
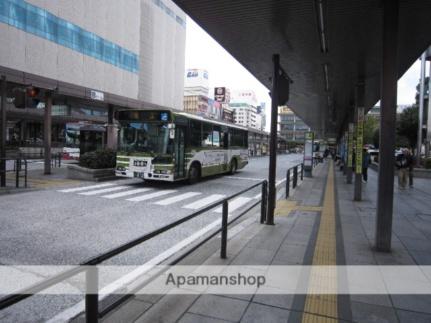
180 151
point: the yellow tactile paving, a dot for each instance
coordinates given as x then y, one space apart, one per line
42 183
284 207
324 307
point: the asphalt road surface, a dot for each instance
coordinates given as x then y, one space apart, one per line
67 225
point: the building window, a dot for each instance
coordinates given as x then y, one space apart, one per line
39 22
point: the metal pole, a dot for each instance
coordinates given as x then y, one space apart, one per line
428 138
302 171
287 183
47 132
273 141
360 93
224 230
389 78
421 109
91 296
18 169
263 204
348 166
3 133
295 176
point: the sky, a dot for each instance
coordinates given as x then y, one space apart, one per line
203 52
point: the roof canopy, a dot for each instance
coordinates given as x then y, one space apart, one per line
325 46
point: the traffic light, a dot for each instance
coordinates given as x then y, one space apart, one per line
32 92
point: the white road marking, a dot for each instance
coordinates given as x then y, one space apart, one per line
235 204
246 178
104 190
280 182
122 282
257 196
171 200
150 196
204 202
126 193
84 188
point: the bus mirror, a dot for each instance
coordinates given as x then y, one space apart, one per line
171 133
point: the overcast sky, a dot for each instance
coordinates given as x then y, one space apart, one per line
203 52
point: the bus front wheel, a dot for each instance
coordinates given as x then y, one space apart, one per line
194 174
233 166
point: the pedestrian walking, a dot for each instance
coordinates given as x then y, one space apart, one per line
402 165
411 163
366 159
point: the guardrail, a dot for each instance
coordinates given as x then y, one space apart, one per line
292 173
92 312
17 168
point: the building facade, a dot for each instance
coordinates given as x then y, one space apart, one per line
245 107
291 127
92 56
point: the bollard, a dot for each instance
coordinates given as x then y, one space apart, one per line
295 176
25 173
18 168
263 203
224 230
302 172
91 295
287 183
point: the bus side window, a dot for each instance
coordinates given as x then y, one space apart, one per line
225 139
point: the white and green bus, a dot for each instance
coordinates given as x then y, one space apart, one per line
169 145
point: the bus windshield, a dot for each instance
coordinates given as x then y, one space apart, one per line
152 138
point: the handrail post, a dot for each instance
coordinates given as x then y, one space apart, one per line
224 230
18 168
263 204
302 171
91 295
25 173
295 176
287 182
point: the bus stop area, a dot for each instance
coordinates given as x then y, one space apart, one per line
319 224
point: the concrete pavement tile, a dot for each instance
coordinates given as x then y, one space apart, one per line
413 317
422 258
219 307
283 301
417 244
195 318
252 256
262 313
168 309
382 300
362 312
417 303
128 312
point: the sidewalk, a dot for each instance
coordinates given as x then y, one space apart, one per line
319 225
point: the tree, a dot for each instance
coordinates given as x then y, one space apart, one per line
407 125
371 124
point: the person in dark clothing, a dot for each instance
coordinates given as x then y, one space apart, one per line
366 159
402 163
411 163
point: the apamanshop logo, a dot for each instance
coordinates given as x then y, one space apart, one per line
237 279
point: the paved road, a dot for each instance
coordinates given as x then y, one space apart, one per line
66 225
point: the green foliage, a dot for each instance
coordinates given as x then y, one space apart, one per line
371 124
407 126
98 159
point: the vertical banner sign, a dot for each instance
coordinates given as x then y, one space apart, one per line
308 149
359 140
350 145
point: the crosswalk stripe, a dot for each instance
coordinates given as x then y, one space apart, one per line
104 190
177 198
257 196
126 193
204 202
84 188
235 204
150 196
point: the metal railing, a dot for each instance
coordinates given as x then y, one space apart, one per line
292 173
92 312
19 167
